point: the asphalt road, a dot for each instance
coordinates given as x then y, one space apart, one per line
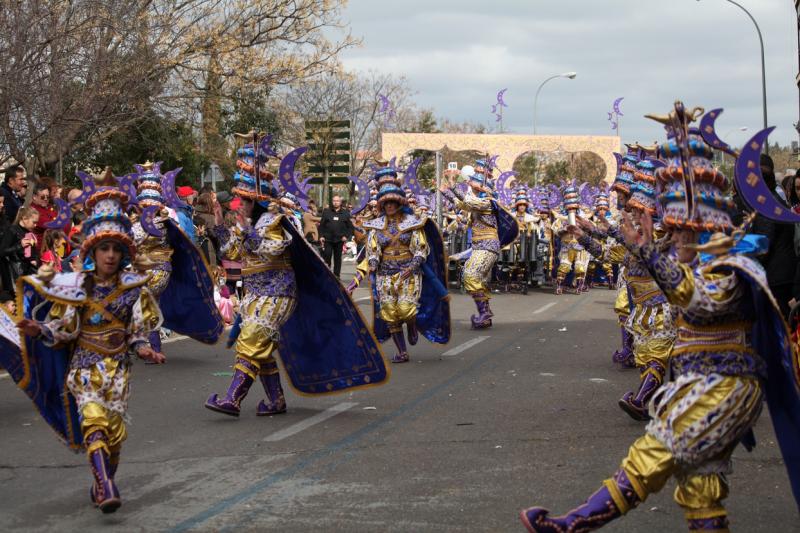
460 439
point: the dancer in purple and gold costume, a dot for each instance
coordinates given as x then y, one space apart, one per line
292 305
732 348
492 228
406 263
102 315
650 320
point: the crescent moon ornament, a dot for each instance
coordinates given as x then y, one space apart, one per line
126 185
709 133
63 216
500 96
617 102
410 177
751 184
363 194
148 221
88 186
286 173
171 198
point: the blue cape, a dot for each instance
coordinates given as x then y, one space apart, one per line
507 227
433 312
41 371
188 301
771 341
326 345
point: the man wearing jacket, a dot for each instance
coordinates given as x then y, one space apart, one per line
335 229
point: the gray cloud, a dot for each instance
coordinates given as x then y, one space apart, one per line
458 54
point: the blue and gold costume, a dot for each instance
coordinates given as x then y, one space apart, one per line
405 257
77 371
292 305
492 228
731 351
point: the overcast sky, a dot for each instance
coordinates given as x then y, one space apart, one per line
457 54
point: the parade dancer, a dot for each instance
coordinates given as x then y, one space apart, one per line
293 305
180 278
650 321
732 348
601 211
571 254
80 330
623 181
492 228
406 264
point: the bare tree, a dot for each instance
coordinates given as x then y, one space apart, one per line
354 97
73 72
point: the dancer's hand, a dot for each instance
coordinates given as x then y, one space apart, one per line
584 224
576 231
603 224
149 354
30 328
646 223
628 230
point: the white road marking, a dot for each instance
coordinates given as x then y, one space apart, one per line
366 299
465 346
598 380
308 422
544 308
546 374
174 338
4 375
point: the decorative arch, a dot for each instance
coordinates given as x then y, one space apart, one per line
506 146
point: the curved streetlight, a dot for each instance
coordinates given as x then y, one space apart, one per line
570 75
763 68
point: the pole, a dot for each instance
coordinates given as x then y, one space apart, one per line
763 67
438 192
536 99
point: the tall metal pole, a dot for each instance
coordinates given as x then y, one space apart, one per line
763 65
438 192
570 75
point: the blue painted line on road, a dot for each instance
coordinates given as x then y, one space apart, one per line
225 504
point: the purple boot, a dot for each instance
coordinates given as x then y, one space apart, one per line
400 342
624 356
413 333
598 510
240 384
104 493
636 406
483 319
276 402
717 523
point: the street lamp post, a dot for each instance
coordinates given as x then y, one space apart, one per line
763 67
570 75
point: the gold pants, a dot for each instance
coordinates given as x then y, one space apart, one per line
258 339
733 403
398 298
477 270
569 257
101 393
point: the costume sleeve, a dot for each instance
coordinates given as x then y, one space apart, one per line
419 248
62 324
454 195
145 318
373 250
474 203
703 293
266 240
230 241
